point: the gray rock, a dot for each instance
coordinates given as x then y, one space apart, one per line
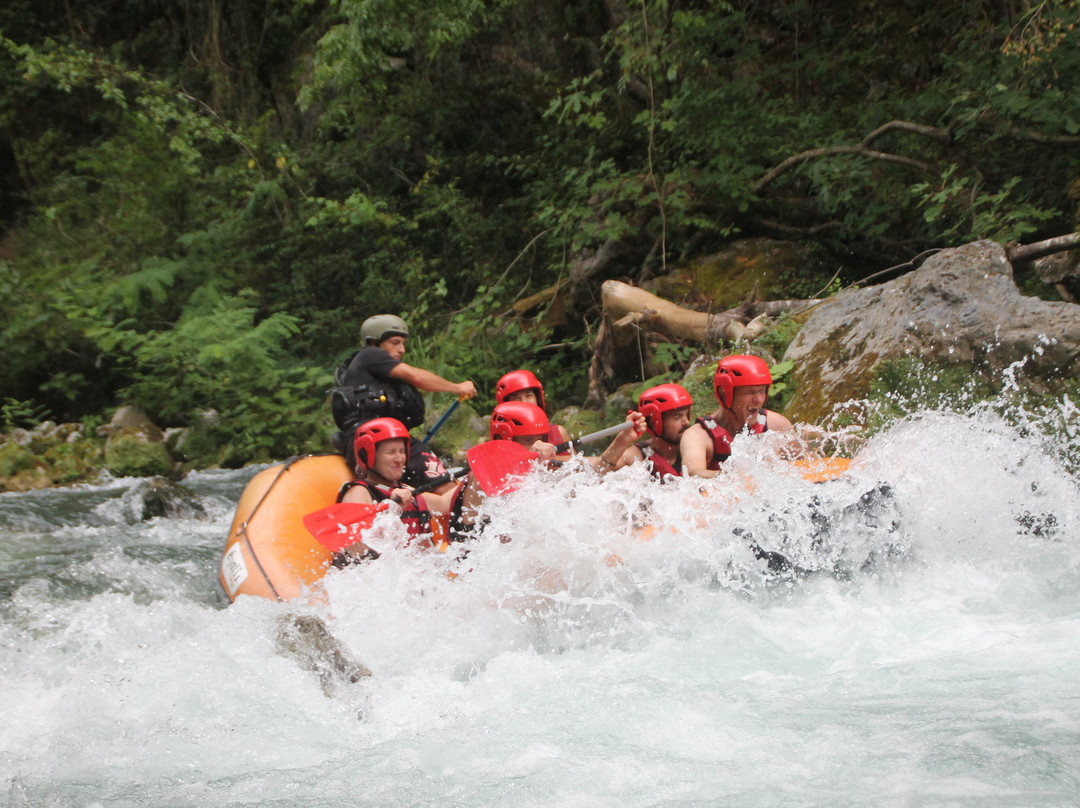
156 496
132 420
307 640
960 309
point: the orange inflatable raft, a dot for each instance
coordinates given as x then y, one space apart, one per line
269 553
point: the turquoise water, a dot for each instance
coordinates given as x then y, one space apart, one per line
927 654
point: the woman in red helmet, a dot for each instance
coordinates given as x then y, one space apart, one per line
666 410
381 448
522 385
741 385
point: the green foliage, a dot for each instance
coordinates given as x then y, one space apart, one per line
482 345
191 237
783 386
221 357
23 414
673 354
777 338
963 215
904 386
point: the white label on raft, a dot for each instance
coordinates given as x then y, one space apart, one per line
233 568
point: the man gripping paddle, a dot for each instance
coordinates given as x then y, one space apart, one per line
374 382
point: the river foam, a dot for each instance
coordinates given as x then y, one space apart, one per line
607 643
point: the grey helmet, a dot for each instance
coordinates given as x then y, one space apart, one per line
381 327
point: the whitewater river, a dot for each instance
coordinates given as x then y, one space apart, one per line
622 647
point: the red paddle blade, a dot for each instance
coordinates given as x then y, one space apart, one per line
495 464
338 526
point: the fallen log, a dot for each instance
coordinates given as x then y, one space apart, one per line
621 352
646 310
626 305
1040 249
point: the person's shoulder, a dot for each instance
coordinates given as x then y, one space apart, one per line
776 421
696 429
370 352
372 356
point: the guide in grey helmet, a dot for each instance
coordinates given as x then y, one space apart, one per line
374 382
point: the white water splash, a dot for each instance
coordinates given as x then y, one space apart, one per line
624 647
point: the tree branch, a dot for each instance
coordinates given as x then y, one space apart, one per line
1038 249
932 132
828 151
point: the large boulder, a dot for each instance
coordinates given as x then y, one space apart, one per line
961 309
132 420
748 268
135 446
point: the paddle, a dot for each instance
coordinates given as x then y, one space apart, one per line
442 419
341 525
496 462
592 437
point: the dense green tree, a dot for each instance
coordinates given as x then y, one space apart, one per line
203 199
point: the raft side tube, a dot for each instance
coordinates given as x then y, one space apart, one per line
269 553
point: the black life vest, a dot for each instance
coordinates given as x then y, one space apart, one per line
417 519
722 438
457 529
354 404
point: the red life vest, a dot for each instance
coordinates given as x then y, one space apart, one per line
722 438
417 519
659 467
554 434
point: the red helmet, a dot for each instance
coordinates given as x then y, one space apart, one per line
516 418
374 432
517 380
740 370
655 401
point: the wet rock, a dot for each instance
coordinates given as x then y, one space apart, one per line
159 497
307 640
961 309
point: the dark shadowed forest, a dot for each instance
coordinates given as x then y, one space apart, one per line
200 201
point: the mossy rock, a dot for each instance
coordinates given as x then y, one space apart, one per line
129 455
199 444
462 430
698 382
26 480
621 401
15 458
728 278
579 421
73 462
